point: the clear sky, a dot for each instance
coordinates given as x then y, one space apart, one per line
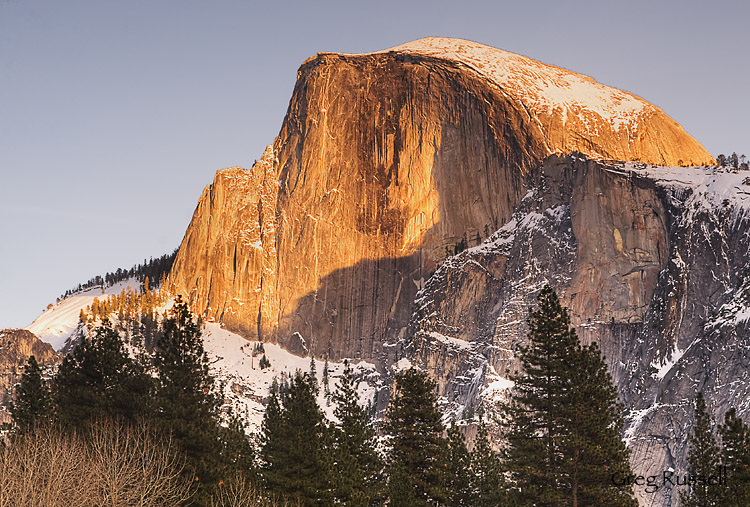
115 114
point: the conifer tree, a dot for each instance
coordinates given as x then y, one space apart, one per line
313 377
357 477
32 405
417 461
458 478
326 379
274 389
735 456
487 480
189 404
594 450
99 380
294 452
703 459
264 363
564 421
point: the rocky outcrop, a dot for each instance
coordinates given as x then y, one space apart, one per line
227 263
16 346
384 164
653 266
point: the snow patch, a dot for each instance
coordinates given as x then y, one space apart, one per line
665 368
246 385
402 364
710 187
634 419
449 340
497 386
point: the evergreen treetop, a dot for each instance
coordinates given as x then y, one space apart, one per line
100 380
459 474
295 442
189 406
418 459
703 459
735 456
32 405
564 422
358 468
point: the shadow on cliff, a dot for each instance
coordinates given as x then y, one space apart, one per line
356 310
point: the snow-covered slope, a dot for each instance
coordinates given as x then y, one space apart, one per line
246 385
542 87
57 324
710 187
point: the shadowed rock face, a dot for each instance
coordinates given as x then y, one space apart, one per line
599 238
657 275
384 163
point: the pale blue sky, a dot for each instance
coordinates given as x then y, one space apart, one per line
114 115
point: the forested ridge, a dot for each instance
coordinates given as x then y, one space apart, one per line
154 269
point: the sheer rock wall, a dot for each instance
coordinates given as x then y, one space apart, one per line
384 164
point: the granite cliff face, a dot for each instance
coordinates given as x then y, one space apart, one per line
16 346
652 263
385 162
346 238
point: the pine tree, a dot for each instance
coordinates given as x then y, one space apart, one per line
540 392
274 389
275 451
313 377
418 454
358 468
99 380
487 480
326 379
703 459
264 363
294 452
32 405
594 450
458 478
735 456
564 421
189 405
